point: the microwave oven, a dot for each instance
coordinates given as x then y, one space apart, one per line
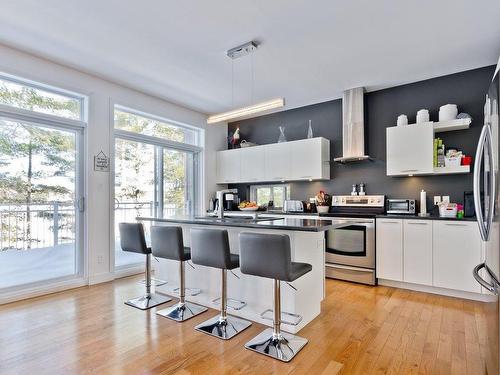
401 206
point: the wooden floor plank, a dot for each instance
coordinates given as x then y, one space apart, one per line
361 330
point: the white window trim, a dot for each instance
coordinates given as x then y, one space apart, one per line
253 191
35 118
156 141
83 99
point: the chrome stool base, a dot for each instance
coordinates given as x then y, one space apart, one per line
147 302
181 312
223 329
155 282
283 347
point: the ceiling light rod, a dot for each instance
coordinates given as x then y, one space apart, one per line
246 111
243 50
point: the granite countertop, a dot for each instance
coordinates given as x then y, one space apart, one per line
288 223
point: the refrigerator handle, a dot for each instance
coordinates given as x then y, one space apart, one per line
476 182
490 287
492 182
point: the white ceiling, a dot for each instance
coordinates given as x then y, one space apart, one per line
311 50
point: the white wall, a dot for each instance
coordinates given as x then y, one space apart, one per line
102 94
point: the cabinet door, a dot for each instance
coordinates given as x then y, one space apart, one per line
417 256
410 149
456 251
306 159
228 166
390 249
278 162
252 164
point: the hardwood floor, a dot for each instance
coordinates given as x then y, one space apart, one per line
362 330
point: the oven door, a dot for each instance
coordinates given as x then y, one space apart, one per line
352 244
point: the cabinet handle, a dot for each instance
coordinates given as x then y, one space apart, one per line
456 224
389 222
279 178
305 177
417 223
409 170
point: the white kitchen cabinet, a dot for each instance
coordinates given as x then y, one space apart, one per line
417 251
252 163
389 249
310 159
228 166
410 150
456 251
306 159
278 162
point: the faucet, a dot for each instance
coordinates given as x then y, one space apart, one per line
220 196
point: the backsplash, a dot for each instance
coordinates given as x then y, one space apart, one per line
466 89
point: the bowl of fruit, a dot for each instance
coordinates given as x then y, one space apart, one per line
248 206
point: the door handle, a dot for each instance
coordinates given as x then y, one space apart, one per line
476 181
81 204
492 181
490 287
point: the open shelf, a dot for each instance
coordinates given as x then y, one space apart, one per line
452 170
452 125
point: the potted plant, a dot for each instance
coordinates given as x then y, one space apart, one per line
323 202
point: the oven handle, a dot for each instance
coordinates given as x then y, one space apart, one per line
353 221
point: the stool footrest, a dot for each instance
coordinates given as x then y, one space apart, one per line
188 291
286 317
233 304
154 281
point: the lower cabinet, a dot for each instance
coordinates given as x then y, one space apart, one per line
456 251
417 247
429 252
389 249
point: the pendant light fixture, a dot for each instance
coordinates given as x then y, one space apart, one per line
248 111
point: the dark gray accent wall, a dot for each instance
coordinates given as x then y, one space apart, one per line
466 89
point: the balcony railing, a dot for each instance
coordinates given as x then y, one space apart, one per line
38 225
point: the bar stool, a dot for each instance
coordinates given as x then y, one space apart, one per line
167 243
210 247
269 255
132 239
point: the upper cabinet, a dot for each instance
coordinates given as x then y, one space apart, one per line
306 159
410 148
228 167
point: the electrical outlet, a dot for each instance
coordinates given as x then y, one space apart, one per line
437 200
100 259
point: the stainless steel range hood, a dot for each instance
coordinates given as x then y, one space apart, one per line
353 127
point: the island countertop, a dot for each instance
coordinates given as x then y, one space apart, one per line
287 223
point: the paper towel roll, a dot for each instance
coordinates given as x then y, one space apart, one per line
423 203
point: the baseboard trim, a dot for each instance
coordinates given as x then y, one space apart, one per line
436 290
19 295
101 278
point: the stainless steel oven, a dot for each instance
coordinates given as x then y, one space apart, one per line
350 251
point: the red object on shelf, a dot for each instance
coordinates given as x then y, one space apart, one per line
466 160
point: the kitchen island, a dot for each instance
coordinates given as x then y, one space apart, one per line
307 245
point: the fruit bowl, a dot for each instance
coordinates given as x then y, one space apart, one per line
248 208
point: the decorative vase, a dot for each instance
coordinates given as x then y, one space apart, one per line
310 130
282 137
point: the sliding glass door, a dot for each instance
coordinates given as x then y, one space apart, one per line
40 209
156 173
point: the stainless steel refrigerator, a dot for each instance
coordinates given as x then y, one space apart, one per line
486 201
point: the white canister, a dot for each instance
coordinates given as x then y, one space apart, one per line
448 112
423 116
402 120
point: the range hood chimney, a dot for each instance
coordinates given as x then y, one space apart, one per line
353 126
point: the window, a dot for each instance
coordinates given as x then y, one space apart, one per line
38 98
153 176
263 194
137 122
41 186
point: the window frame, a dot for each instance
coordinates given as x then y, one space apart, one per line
254 188
82 99
160 144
